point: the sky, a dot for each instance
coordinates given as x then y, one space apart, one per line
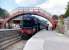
54 7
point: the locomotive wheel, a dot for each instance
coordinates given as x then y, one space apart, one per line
25 37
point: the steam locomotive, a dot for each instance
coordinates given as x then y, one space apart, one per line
29 26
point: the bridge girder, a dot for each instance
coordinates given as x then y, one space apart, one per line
36 11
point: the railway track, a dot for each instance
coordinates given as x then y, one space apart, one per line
17 46
8 37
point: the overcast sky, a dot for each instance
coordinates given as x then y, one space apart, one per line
51 6
55 6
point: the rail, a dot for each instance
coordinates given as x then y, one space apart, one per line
8 37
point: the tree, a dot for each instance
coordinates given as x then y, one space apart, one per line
55 17
3 13
67 11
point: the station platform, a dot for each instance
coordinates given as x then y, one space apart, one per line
47 40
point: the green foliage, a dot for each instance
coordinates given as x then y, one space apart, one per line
67 11
3 13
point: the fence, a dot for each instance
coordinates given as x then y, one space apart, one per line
66 26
